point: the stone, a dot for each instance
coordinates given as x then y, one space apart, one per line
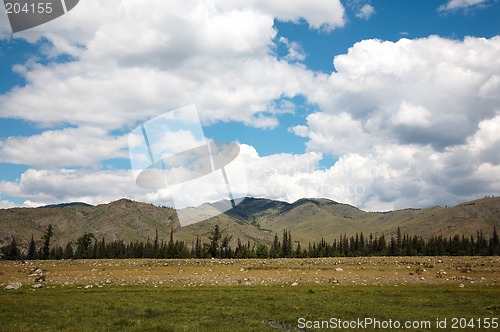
36 286
40 278
295 284
13 286
339 269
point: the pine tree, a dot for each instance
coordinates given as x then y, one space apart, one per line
287 244
494 243
275 251
84 248
298 251
32 249
46 242
215 237
156 245
225 249
11 251
199 248
68 251
262 251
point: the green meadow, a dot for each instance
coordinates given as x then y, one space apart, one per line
243 308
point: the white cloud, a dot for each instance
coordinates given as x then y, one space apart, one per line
40 187
133 62
412 115
484 144
453 5
440 77
423 112
413 122
320 14
295 51
141 61
336 134
6 204
66 147
366 12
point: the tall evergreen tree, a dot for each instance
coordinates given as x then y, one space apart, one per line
215 238
494 243
275 251
32 249
68 251
46 242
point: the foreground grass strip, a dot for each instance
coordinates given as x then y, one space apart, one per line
235 308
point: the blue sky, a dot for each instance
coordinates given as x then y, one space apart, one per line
380 104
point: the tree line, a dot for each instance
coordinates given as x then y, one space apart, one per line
89 247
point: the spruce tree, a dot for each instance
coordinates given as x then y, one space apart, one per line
215 237
32 249
494 243
68 251
46 242
275 251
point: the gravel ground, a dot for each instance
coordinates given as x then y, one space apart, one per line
461 271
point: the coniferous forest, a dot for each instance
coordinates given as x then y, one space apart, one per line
88 246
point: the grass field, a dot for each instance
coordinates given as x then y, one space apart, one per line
97 296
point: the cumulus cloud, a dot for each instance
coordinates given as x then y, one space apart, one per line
63 148
420 91
419 111
214 55
412 122
321 15
40 187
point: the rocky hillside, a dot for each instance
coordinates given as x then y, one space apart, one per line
255 220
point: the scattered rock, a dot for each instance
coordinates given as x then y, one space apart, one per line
88 286
13 286
333 281
339 269
295 284
36 286
461 285
440 273
40 278
36 272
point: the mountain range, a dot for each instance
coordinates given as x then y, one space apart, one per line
254 220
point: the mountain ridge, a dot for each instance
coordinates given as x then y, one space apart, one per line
254 219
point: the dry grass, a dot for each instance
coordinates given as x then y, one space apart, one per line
193 272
